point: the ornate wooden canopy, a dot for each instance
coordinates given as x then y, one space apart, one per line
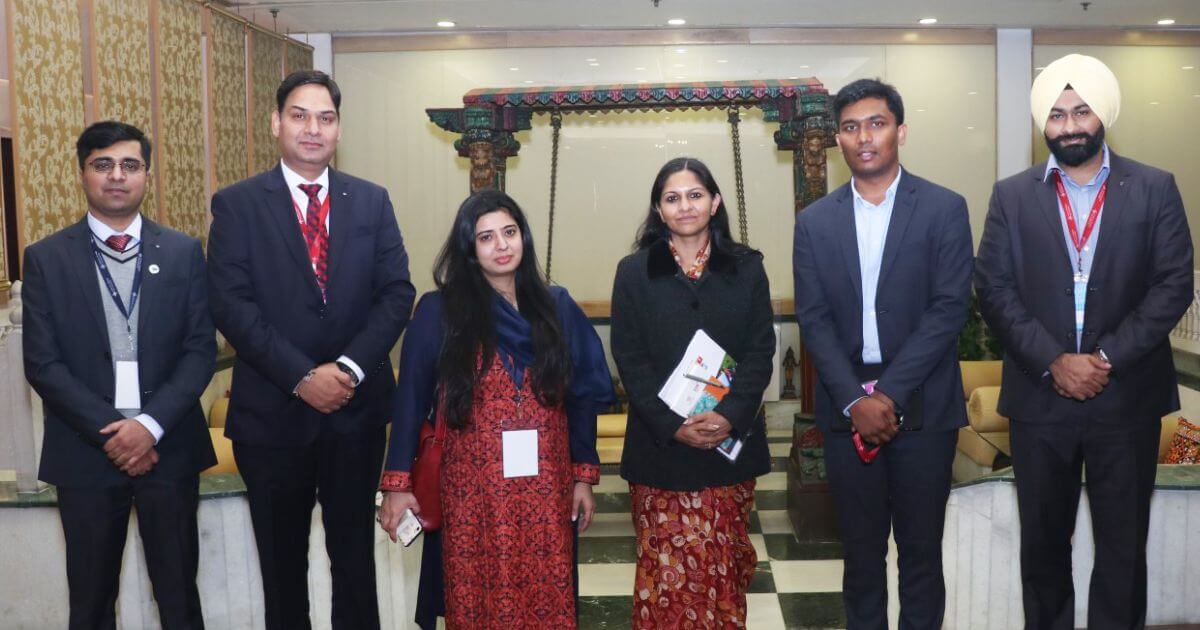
490 116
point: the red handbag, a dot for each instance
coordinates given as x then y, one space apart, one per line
427 473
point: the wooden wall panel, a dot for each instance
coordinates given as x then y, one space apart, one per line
297 57
266 71
121 73
46 61
181 160
227 99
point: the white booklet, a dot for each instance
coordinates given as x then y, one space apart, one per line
700 380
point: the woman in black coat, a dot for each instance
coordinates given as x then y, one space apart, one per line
691 505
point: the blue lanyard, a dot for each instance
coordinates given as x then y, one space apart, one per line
112 286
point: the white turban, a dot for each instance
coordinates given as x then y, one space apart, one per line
1088 76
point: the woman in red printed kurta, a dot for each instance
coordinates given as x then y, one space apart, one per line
533 363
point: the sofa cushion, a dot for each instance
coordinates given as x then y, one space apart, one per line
981 411
1184 447
610 425
977 374
976 448
224 448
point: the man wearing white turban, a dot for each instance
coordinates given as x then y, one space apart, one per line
1084 268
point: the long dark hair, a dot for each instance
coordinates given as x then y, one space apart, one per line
653 229
470 332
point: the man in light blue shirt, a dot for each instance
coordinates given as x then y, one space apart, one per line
883 280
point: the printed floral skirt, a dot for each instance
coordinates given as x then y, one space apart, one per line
694 556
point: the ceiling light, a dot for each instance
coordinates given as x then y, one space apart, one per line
680 51
927 21
676 21
594 64
528 81
1166 22
803 67
1154 102
514 68
640 68
676 65
722 61
792 78
972 93
642 81
1189 67
590 59
681 76
446 24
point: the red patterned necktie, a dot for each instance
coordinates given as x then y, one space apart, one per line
316 234
118 241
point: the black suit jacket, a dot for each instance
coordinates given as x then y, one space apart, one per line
266 301
1140 285
69 363
921 302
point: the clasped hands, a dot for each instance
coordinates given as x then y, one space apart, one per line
1079 376
704 430
874 418
131 447
328 390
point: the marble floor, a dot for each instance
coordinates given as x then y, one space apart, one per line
796 585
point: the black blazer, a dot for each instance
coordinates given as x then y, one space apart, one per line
266 301
69 363
921 301
655 312
1140 285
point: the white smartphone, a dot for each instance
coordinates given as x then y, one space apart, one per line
409 528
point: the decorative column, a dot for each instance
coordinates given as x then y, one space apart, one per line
806 130
18 428
487 138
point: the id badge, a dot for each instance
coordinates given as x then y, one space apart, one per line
128 393
1080 285
520 453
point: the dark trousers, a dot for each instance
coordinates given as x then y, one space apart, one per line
95 524
905 490
1048 462
283 485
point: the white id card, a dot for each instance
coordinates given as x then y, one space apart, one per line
520 453
129 392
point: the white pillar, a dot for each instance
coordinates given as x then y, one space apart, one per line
19 439
1014 77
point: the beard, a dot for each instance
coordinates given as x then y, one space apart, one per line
1076 154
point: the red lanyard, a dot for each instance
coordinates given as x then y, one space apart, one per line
1065 202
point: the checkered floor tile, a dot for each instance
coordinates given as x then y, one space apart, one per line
796 585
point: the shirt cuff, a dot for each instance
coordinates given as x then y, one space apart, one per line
846 411
396 481
354 367
151 425
586 473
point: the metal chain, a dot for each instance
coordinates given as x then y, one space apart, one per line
556 125
743 227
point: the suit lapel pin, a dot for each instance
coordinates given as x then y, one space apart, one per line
154 269
344 193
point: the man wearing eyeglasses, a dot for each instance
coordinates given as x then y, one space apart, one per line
119 344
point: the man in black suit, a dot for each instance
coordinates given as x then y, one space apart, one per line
883 279
119 345
1084 268
309 282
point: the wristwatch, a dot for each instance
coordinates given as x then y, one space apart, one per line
1103 356
348 372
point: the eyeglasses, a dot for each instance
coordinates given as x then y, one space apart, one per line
128 166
